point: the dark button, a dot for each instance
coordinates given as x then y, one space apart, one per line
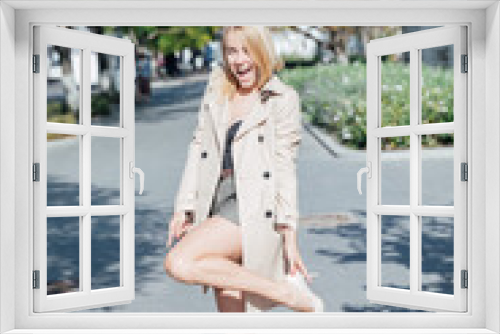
266 174
269 214
206 106
203 154
261 138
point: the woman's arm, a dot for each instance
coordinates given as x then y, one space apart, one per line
288 138
186 195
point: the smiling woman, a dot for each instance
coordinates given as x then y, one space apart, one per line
250 58
247 273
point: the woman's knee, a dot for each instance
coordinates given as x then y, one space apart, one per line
179 267
178 264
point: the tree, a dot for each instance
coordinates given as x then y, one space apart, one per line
167 39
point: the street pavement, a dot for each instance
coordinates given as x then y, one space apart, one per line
332 229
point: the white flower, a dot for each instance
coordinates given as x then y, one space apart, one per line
346 134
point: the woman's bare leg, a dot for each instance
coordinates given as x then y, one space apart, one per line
229 300
209 254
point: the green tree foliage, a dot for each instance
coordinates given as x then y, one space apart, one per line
168 39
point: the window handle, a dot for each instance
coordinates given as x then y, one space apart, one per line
368 170
132 171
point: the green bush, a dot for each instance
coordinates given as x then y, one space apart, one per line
100 104
59 112
333 96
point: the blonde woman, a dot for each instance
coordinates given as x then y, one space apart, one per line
235 215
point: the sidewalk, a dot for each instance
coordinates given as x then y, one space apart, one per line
177 81
340 151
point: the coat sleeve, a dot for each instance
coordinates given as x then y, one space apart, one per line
186 194
288 138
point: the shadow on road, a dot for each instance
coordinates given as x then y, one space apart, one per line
63 241
437 250
170 96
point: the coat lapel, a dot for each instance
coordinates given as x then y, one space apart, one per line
220 112
262 110
217 112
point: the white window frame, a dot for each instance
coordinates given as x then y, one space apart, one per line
483 21
415 43
124 132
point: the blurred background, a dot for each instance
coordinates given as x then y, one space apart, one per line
327 67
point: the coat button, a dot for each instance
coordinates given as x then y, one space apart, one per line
266 174
269 214
204 154
261 138
206 106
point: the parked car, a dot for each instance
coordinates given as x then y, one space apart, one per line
295 48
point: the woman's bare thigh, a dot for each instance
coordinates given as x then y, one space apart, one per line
215 236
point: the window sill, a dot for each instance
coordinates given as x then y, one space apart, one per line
253 331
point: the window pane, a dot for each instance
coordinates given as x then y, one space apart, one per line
437 169
106 171
395 252
395 170
63 255
105 83
63 84
395 89
105 252
437 84
437 254
63 170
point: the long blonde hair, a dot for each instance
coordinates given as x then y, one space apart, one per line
260 47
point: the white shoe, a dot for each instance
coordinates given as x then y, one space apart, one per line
300 282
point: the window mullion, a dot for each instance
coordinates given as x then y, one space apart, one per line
415 171
85 244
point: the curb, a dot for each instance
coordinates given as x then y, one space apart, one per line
339 151
176 81
328 220
329 143
61 142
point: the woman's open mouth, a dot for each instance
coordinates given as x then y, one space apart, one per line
244 74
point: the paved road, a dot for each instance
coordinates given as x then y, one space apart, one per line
332 233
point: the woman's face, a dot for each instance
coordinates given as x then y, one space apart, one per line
240 62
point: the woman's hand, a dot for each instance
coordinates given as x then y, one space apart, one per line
292 256
180 224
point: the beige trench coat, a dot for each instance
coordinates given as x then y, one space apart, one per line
264 159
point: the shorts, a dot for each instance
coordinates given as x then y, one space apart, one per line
225 201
